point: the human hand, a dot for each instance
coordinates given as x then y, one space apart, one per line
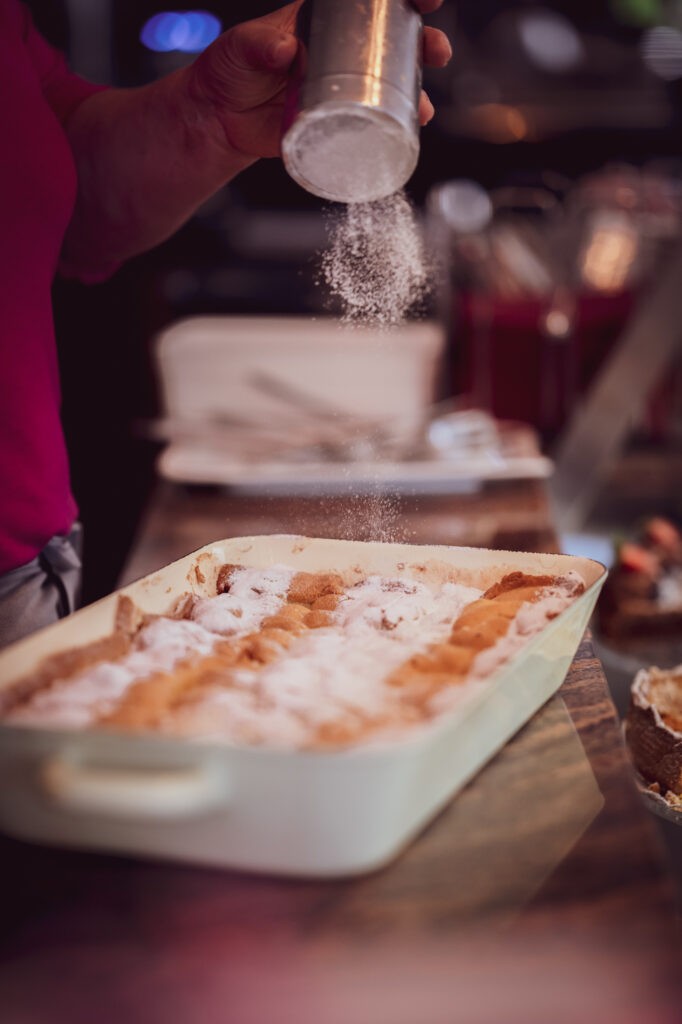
436 54
243 77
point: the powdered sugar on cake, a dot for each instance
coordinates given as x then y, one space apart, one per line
160 646
335 673
530 619
410 611
78 702
253 595
331 682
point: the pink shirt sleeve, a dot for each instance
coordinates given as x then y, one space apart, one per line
63 92
62 89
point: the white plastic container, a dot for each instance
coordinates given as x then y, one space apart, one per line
293 813
211 365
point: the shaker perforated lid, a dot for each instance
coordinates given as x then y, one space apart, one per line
349 154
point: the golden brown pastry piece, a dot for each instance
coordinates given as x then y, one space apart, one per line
146 701
516 582
64 665
480 625
224 577
310 587
309 599
69 663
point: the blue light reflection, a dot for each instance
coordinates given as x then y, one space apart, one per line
183 31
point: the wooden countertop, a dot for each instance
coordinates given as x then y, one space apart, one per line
539 894
503 516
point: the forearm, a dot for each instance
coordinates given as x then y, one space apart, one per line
146 158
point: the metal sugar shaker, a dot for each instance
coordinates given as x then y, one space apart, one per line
351 125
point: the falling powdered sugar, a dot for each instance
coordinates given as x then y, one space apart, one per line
373 515
375 266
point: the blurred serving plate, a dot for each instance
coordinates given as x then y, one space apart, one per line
187 462
293 406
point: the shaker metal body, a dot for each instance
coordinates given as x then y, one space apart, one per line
351 127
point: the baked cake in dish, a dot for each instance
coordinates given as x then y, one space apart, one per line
654 730
293 659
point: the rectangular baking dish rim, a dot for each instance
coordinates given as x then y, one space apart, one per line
421 734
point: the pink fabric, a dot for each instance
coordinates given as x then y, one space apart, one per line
37 193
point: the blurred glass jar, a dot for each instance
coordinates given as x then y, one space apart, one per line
537 285
620 222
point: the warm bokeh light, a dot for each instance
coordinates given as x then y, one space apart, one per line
500 123
608 258
558 323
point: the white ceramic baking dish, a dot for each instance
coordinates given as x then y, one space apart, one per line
294 813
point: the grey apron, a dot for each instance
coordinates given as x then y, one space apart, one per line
42 591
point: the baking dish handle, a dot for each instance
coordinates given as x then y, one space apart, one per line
138 793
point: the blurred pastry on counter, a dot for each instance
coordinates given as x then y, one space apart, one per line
654 731
642 596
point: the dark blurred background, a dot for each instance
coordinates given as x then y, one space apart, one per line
536 94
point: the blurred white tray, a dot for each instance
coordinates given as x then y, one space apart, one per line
186 462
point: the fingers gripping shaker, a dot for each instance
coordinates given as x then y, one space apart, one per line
351 126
